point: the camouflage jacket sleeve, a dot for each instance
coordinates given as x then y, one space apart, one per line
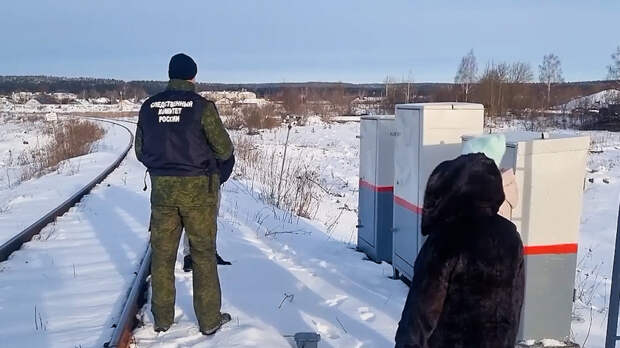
216 134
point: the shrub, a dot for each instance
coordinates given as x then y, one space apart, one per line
253 118
69 139
297 191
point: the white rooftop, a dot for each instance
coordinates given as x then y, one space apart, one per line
442 106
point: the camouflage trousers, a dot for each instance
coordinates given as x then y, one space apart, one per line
200 224
186 246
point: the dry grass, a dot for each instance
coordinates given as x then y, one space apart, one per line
253 118
297 192
71 138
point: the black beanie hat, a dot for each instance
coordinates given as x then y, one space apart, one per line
182 67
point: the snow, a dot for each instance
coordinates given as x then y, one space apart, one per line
17 136
66 287
229 98
332 290
26 202
25 103
598 99
331 150
32 103
547 342
596 249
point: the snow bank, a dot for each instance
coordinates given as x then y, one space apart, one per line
25 203
66 288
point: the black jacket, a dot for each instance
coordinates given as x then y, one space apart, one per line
172 135
468 284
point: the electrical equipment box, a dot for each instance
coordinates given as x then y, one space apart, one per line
426 135
550 174
376 187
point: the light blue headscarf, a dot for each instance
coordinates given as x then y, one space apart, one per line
492 145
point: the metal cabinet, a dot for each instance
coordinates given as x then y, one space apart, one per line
376 182
427 134
550 173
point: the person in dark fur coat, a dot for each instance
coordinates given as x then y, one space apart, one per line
468 283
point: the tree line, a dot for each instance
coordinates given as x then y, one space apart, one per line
513 88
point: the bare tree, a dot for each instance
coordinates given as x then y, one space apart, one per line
389 80
613 69
292 100
521 72
518 95
410 91
396 93
466 73
550 71
339 99
492 87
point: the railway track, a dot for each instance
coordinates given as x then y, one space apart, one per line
35 228
136 297
122 334
122 329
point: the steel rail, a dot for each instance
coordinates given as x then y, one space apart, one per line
122 334
35 228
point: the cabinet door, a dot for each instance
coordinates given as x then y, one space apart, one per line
368 181
406 205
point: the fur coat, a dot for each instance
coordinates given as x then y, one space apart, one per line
468 284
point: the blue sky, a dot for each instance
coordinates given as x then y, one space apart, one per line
290 40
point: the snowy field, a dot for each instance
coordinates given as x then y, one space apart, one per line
331 151
23 202
67 286
288 275
18 135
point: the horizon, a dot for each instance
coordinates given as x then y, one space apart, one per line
535 81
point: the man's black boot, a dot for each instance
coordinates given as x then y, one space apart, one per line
221 261
224 318
187 263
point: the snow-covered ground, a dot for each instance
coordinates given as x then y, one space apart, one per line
597 241
287 275
598 99
286 278
332 151
67 286
79 106
334 288
22 203
18 136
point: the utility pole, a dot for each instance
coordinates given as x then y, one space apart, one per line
408 84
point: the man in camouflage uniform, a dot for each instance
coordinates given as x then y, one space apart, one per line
180 137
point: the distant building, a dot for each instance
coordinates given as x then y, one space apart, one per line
230 98
100 100
64 97
32 104
22 97
51 117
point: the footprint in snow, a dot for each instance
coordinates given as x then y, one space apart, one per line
326 330
336 301
365 313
